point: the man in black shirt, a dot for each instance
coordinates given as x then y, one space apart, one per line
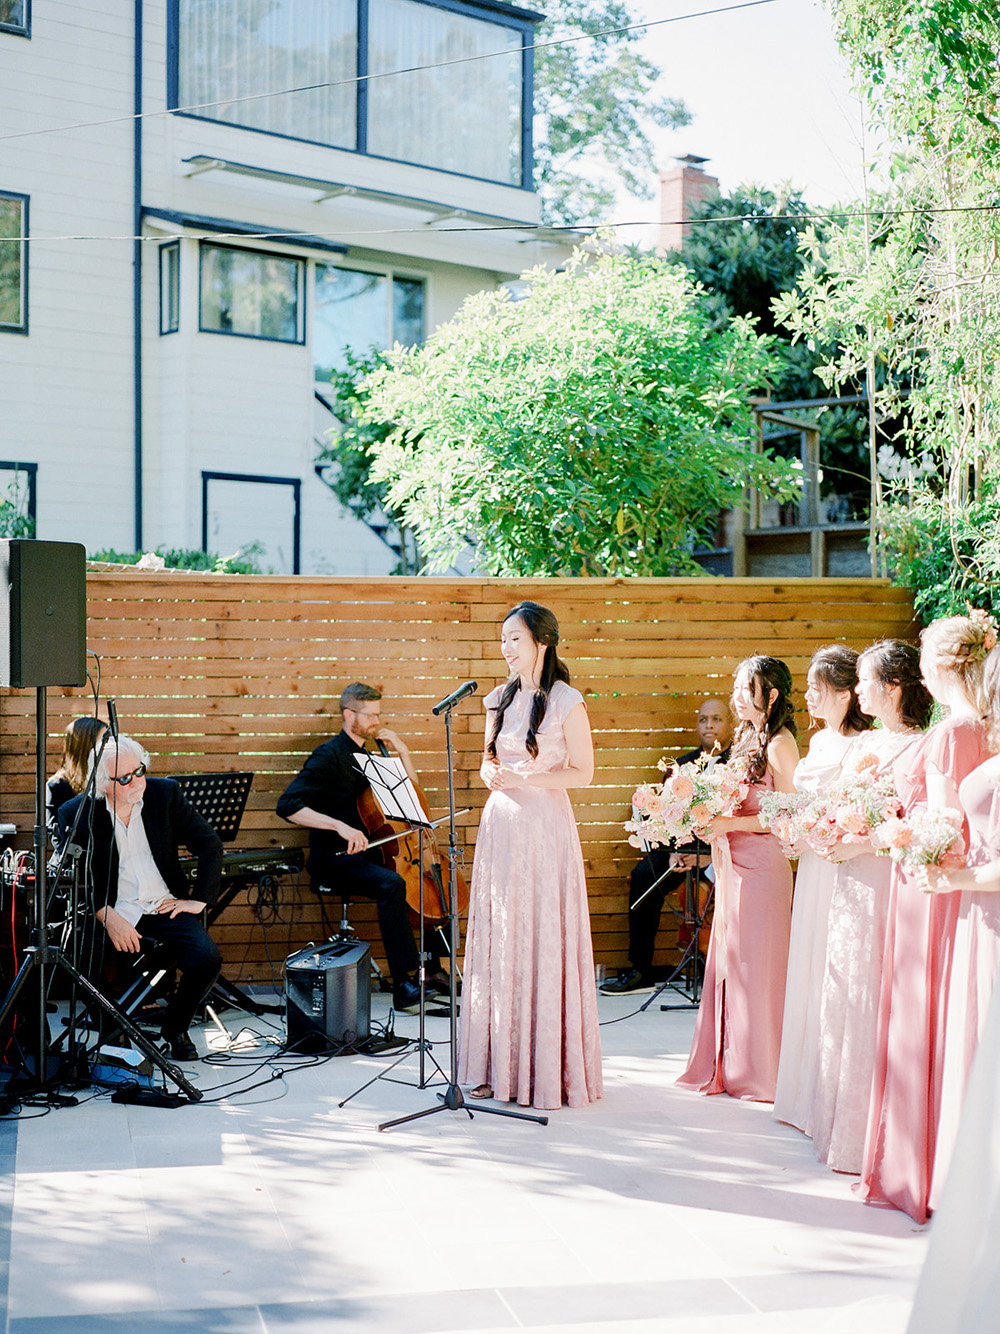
662 869
324 798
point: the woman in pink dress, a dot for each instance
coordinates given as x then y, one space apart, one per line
920 933
529 1028
738 1031
976 960
891 690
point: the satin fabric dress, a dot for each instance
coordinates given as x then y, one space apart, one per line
975 962
737 1034
852 978
905 1101
800 1037
529 1025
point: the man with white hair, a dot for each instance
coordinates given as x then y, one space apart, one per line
141 895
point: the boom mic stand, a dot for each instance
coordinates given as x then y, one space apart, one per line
453 1100
40 956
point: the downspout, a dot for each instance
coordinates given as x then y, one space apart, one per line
137 273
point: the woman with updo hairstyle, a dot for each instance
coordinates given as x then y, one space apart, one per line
891 690
905 1107
738 1031
529 1029
831 700
69 780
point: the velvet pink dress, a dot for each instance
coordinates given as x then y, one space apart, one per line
737 1036
905 1101
529 1025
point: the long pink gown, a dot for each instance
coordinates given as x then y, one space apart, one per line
737 1034
920 932
529 1025
975 963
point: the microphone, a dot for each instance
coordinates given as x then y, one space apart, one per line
113 720
451 700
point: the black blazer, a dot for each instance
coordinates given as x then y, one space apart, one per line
169 819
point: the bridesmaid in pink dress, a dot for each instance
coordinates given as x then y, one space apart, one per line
737 1035
920 932
529 1028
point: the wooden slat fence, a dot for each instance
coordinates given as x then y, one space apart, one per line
217 672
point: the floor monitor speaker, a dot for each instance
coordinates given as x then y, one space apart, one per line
328 995
43 613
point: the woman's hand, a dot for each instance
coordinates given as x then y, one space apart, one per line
498 778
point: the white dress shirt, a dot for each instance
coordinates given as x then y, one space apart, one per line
141 888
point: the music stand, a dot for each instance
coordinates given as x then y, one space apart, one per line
398 800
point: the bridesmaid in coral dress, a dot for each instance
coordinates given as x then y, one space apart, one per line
529 1027
906 1088
738 1031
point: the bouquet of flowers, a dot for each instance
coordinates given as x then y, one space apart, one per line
847 811
785 814
921 838
686 802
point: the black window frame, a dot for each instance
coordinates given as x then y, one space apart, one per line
259 479
488 11
22 29
301 312
170 286
22 326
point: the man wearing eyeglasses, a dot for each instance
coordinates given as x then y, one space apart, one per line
140 893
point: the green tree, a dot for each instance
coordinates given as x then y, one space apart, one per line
594 105
596 426
747 255
909 290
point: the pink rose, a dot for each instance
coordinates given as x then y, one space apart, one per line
681 787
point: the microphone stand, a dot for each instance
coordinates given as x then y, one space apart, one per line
453 1100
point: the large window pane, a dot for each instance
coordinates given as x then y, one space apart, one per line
231 50
360 311
13 311
250 293
462 117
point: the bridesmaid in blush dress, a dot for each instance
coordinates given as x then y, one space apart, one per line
831 700
889 687
529 1028
920 933
738 1030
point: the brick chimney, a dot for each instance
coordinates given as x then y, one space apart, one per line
681 185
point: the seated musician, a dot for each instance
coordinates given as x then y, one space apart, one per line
324 799
662 870
134 828
83 736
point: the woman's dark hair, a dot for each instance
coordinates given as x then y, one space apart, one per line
765 674
82 736
837 667
896 663
544 629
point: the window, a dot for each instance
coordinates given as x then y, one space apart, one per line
463 117
460 108
15 16
359 310
243 513
13 262
250 293
170 287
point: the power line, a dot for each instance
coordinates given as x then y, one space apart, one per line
384 74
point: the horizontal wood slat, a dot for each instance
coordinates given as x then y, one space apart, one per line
217 672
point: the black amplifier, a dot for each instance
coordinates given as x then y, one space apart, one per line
328 996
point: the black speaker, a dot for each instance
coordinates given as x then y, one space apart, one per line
328 995
43 613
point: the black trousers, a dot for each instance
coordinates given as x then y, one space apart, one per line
360 876
185 944
644 917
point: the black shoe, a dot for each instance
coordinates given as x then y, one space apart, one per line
180 1045
406 997
629 982
437 984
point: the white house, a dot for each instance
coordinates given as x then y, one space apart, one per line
202 202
